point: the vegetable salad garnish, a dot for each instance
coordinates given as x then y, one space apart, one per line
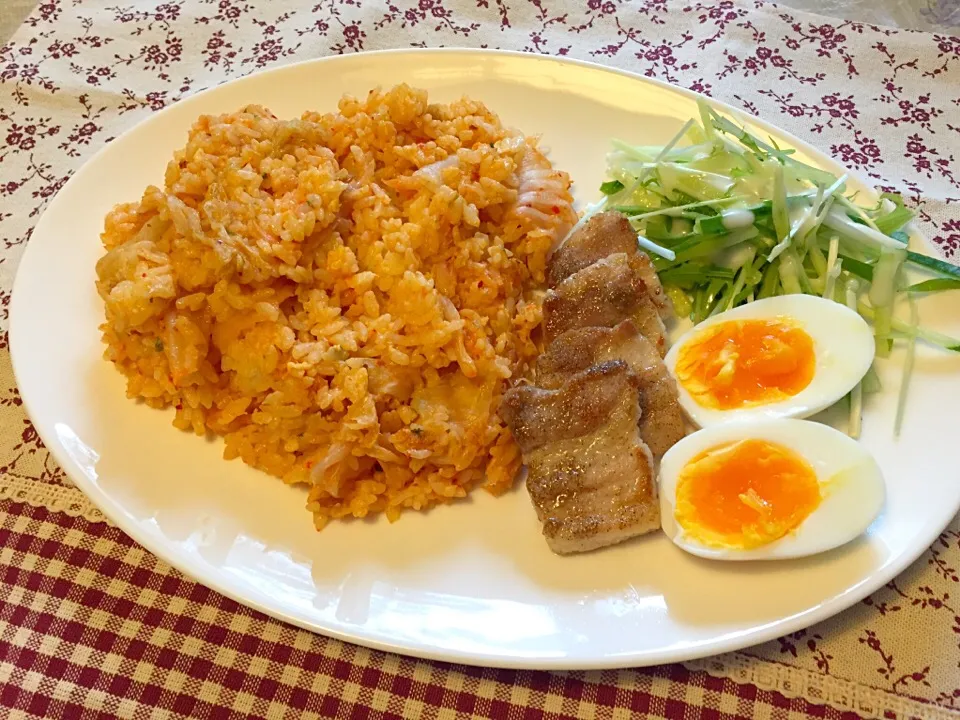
729 219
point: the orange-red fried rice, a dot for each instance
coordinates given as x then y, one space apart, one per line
343 297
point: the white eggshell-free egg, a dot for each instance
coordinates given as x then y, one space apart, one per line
842 343
851 487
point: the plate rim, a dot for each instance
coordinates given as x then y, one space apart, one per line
719 644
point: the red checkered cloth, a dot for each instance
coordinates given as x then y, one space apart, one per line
93 626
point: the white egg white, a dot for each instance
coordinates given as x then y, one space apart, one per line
852 487
842 342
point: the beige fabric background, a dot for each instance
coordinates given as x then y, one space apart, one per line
12 13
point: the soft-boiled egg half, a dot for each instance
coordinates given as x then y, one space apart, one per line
767 490
785 356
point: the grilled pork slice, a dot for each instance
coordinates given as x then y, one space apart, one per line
603 295
662 422
605 234
590 476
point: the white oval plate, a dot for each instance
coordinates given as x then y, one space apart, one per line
472 582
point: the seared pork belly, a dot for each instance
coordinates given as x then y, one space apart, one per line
604 405
590 475
643 266
607 233
661 420
604 294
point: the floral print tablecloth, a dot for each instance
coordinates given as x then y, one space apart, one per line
930 15
93 626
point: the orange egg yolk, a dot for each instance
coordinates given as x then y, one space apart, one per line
741 363
745 494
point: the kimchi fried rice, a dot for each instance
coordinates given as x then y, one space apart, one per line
343 297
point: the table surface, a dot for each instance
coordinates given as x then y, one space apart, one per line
12 13
939 15
93 626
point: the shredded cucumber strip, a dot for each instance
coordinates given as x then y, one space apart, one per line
651 246
838 221
677 209
934 285
834 268
883 292
856 395
899 326
907 369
